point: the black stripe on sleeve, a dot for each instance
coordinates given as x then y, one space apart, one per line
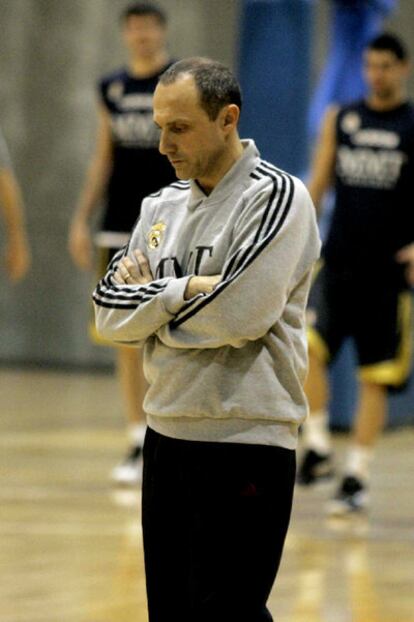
272 220
272 168
231 264
124 294
273 214
119 297
268 207
103 302
131 290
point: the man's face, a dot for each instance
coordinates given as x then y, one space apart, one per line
192 142
385 73
144 35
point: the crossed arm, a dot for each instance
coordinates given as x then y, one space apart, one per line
139 272
271 253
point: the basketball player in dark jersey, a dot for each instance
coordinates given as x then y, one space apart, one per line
362 288
126 167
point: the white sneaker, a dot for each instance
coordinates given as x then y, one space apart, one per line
129 471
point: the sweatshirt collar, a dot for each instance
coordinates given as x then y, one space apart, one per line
234 178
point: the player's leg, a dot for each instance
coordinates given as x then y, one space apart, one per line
371 414
369 422
326 329
133 387
383 342
316 464
316 384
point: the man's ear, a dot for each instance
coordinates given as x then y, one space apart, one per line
230 117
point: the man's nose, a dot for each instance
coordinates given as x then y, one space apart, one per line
166 145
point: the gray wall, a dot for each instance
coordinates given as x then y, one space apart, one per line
51 53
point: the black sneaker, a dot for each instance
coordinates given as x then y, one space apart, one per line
352 496
129 471
314 468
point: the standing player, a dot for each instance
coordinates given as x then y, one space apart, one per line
362 289
11 204
126 167
224 350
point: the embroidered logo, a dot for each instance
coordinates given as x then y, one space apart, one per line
351 122
155 236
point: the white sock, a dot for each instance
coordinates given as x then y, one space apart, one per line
316 434
136 434
358 461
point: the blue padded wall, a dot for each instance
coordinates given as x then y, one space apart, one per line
274 73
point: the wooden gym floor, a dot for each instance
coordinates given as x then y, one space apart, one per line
70 547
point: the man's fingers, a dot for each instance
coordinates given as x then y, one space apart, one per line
143 264
126 272
207 284
118 278
131 272
125 269
128 265
212 281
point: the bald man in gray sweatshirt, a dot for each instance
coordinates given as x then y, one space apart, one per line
213 285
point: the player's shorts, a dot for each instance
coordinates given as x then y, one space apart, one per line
378 319
104 254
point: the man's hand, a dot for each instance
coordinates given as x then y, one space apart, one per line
406 255
18 257
136 272
201 285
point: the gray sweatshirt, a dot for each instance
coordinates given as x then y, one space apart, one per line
230 365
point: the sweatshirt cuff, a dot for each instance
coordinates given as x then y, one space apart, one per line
173 295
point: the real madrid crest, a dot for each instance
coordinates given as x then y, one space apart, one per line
154 237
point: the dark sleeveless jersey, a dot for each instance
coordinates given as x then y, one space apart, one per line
374 173
138 167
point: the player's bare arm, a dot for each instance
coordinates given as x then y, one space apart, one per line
80 244
406 255
17 247
323 164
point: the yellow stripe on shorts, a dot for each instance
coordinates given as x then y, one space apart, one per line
396 371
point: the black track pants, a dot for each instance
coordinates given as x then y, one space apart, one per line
215 517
